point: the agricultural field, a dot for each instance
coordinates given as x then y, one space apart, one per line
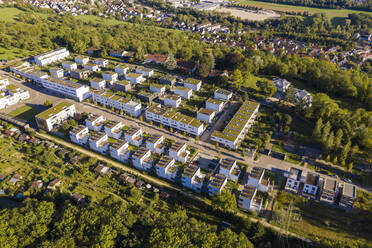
250 15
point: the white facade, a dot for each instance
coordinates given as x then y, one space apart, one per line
206 115
25 70
230 169
114 129
79 135
256 179
56 72
114 101
120 151
183 92
110 76
141 159
293 180
193 84
311 185
99 142
101 62
67 88
68 65
221 94
247 199
55 115
81 60
215 105
217 184
157 89
134 136
3 83
178 152
155 143
12 95
121 69
95 122
97 83
145 71
172 100
91 67
135 78
166 168
51 57
192 178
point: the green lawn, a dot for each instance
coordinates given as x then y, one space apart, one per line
25 112
97 19
13 53
9 14
283 7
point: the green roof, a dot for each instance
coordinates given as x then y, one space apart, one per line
211 100
192 81
53 110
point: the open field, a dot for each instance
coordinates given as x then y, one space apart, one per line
8 14
25 112
13 53
282 7
250 15
96 19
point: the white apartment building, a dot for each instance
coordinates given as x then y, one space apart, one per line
171 118
166 168
55 115
97 83
311 185
230 169
348 196
67 88
257 179
145 71
99 142
217 184
142 159
95 122
192 178
155 144
221 94
12 95
329 191
114 129
56 72
178 152
24 69
69 65
81 59
110 76
215 105
234 132
293 180
183 92
91 67
3 83
79 135
51 56
134 136
121 69
114 101
120 151
206 115
193 84
135 78
101 62
157 88
172 100
248 200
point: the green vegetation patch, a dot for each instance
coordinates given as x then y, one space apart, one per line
25 112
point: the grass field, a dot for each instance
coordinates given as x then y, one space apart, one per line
282 7
25 112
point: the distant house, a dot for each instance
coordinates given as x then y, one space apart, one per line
69 65
178 152
192 83
281 84
155 58
56 72
135 78
157 88
183 92
54 184
217 184
258 179
187 66
101 169
81 59
79 74
311 185
168 79
329 191
303 96
97 83
215 105
95 122
192 178
293 180
134 136
172 100
91 67
110 76
121 69
79 135
117 53
147 72
142 159
166 168
120 150
248 200
155 143
38 184
95 52
101 62
229 168
78 198
123 85
221 94
206 115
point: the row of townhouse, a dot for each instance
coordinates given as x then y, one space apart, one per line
11 94
111 100
51 56
238 126
312 185
24 69
169 117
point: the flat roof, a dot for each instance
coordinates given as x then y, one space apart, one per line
97 136
349 190
257 172
53 110
154 138
223 92
133 130
192 81
217 181
311 178
64 82
173 97
93 117
247 192
78 129
177 146
112 124
330 184
183 88
214 101
190 171
205 111
119 144
164 161
140 152
295 174
227 163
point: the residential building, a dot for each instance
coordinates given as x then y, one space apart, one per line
145 71
67 88
101 169
145 96
217 184
172 100
79 74
134 136
311 185
281 85
121 69
183 92
135 78
142 159
236 129
56 72
178 152
230 169
257 179
157 88
221 94
293 180
15 179
101 62
155 143
329 191
24 69
120 151
114 101
206 115
215 105
99 142
110 76
123 85
118 53
91 67
69 65
192 178
95 122
168 79
53 185
97 83
3 83
55 115
170 118
12 95
348 196
303 96
79 135
82 59
248 200
92 51
192 83
51 56
166 168
155 58
114 129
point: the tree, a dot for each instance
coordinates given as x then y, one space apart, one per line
170 62
317 132
335 160
103 106
121 112
237 78
328 143
325 132
196 138
47 103
224 201
345 151
350 166
338 138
